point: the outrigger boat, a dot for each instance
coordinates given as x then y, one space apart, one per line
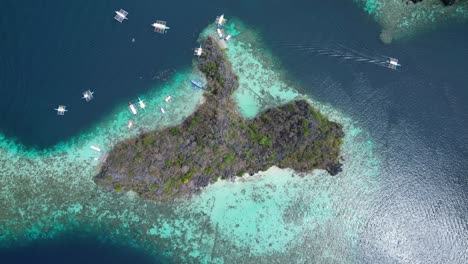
162 110
197 84
198 51
132 108
121 15
103 158
130 124
168 99
160 26
220 33
95 148
392 63
88 95
61 109
141 103
228 37
220 20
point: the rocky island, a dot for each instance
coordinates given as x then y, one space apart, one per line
217 142
445 2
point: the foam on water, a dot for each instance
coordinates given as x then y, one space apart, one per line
399 19
275 215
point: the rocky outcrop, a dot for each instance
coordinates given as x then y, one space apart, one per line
216 142
449 2
446 2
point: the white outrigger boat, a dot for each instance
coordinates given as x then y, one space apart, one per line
228 37
95 148
61 109
198 51
168 99
121 15
160 26
132 108
162 110
220 20
141 103
88 95
130 124
220 33
392 63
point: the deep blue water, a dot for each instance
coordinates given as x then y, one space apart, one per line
52 51
71 249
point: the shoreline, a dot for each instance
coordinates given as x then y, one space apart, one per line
216 142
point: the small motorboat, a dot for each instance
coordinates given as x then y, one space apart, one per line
132 108
197 84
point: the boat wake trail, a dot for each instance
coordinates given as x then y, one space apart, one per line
343 53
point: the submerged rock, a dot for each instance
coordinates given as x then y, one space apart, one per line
216 142
446 2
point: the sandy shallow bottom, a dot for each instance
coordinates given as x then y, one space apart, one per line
276 215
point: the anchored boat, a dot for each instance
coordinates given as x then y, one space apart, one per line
132 108
121 15
220 33
141 103
88 95
392 63
61 109
197 84
160 26
198 51
220 20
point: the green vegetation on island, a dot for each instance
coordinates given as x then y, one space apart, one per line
217 142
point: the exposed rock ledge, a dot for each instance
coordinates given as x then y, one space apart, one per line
446 2
215 141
